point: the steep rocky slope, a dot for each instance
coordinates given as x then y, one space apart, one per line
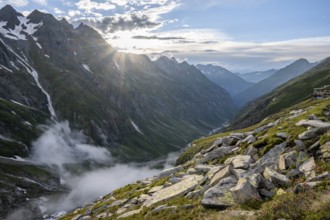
276 169
292 92
267 85
229 81
125 102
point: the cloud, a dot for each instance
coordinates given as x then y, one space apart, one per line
120 23
89 5
41 2
156 38
18 3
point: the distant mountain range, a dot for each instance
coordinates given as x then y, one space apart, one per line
267 85
224 78
137 108
289 94
257 76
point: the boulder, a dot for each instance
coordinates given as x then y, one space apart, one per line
313 123
118 202
275 177
312 133
226 171
283 135
219 196
229 141
186 185
130 213
174 180
287 160
293 173
244 191
251 151
302 157
202 168
155 189
215 154
267 193
256 180
213 171
249 139
325 150
169 172
239 136
322 176
300 144
161 208
308 166
240 161
240 173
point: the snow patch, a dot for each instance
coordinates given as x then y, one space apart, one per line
13 64
136 127
87 68
74 52
39 45
21 31
46 55
3 67
116 64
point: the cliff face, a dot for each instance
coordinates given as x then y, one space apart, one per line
283 158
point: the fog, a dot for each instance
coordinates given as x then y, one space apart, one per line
59 148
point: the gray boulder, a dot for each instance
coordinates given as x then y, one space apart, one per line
226 171
169 172
244 191
215 154
312 133
275 177
240 161
251 151
313 123
308 167
325 150
249 139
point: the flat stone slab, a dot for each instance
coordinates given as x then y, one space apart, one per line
313 123
180 188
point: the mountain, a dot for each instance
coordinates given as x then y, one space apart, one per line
257 76
276 169
137 108
292 92
267 85
224 78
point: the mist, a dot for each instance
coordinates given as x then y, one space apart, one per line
58 148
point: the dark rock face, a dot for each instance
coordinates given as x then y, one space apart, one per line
138 108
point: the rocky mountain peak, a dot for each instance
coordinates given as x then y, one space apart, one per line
10 15
38 17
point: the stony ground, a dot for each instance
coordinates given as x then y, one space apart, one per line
275 169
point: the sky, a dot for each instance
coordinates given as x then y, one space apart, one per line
240 35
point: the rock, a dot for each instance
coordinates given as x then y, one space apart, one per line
230 180
300 144
283 135
185 186
229 141
76 217
302 157
296 113
293 173
314 146
322 176
240 173
312 133
202 168
308 166
239 136
312 117
287 160
313 123
102 215
249 139
251 151
276 178
218 196
217 142
161 208
197 193
174 180
118 202
213 170
215 154
267 193
240 161
325 150
244 191
260 129
188 206
155 189
298 188
130 213
256 180
143 198
270 158
192 171
226 171
169 172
